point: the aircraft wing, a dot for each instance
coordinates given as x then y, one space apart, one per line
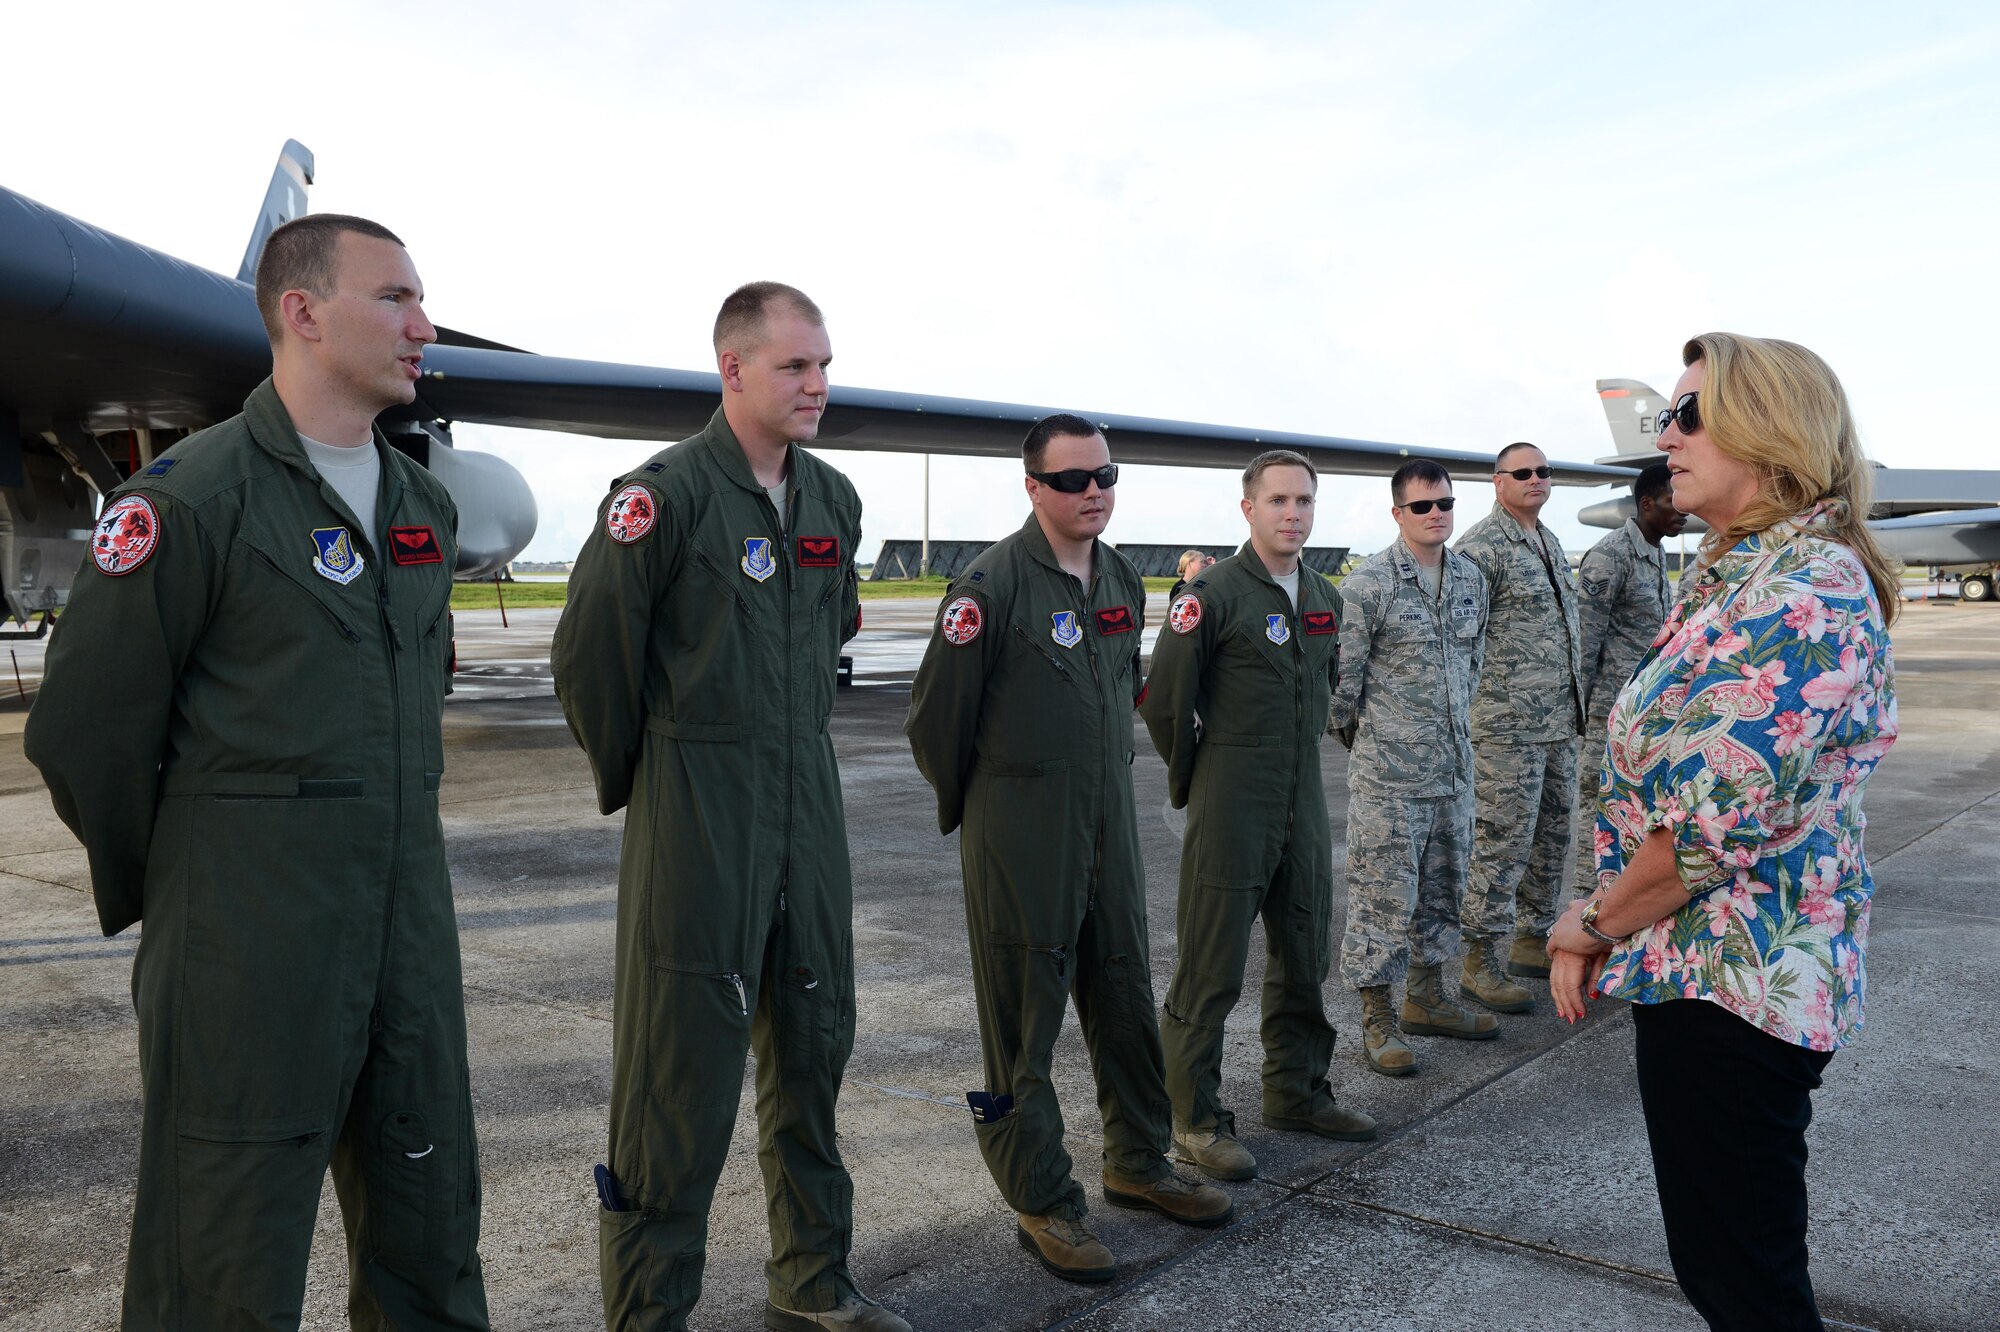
1960 536
641 402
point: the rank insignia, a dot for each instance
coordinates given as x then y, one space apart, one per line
819 552
1184 616
1065 630
630 515
961 622
414 545
336 558
757 561
1278 629
126 536
1117 620
162 467
1319 622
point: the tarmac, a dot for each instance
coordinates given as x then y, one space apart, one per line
1511 1189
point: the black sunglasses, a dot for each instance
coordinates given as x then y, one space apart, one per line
1076 480
1682 414
1523 473
1422 507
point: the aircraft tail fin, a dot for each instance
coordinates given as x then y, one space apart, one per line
284 201
1630 407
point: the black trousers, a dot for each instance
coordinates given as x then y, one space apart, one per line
1726 1113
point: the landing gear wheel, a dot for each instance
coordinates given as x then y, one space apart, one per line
1975 587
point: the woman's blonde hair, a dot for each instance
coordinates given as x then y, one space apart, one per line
1780 408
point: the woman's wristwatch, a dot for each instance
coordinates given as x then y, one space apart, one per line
1589 922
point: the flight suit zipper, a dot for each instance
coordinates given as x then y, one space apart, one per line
742 996
300 583
392 646
1045 654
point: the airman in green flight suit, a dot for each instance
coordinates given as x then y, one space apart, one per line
242 722
1237 702
696 664
1021 719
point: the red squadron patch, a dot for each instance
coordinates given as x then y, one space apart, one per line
1320 622
819 552
414 545
126 536
1184 616
961 621
1117 620
632 514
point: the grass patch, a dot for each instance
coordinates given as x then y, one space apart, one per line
520 596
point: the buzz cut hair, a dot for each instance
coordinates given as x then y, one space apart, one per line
1417 471
1501 460
1050 427
739 324
1655 480
1270 458
301 256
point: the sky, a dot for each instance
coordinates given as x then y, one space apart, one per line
1432 225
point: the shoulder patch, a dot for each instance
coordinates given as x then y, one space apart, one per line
1184 616
126 536
961 621
633 512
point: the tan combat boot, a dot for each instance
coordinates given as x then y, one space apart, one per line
855 1313
1483 983
1215 1152
1528 956
1066 1247
1329 1121
1380 1040
1175 1197
1426 1012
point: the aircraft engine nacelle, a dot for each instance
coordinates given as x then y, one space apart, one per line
1612 513
496 510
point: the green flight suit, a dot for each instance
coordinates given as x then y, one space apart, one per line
1259 675
696 663
1021 719
242 722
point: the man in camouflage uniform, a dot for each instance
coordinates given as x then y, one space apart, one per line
1410 642
1623 602
1021 720
1253 652
1525 721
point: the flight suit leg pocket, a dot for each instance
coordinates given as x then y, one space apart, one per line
246 1201
411 1178
1215 948
811 1018
698 1035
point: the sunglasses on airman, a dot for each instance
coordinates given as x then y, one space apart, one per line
1523 473
1682 414
1076 480
1422 507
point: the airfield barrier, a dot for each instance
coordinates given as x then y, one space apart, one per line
901 558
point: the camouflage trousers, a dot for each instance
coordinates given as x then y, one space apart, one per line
1589 756
1406 864
1524 796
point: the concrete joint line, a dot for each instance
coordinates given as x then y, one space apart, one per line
532 1000
1940 826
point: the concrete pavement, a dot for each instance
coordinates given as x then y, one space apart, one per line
1513 1189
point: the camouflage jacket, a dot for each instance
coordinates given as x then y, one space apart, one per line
1409 663
1529 691
1624 602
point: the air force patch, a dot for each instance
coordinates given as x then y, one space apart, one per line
126 536
414 545
1320 622
337 559
961 621
1117 620
757 561
1065 630
1184 616
631 514
819 552
1278 629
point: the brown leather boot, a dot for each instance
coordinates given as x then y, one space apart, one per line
1066 1247
1483 983
1381 1040
1528 955
1329 1121
1176 1197
1426 1012
1215 1152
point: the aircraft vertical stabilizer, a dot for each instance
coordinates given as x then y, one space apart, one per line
1631 407
283 202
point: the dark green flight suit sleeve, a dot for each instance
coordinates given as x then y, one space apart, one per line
1172 697
99 727
604 642
946 698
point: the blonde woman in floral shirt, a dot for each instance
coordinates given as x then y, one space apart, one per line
1732 907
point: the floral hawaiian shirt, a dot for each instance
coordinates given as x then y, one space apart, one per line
1749 731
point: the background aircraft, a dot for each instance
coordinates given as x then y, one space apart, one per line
110 352
1922 516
